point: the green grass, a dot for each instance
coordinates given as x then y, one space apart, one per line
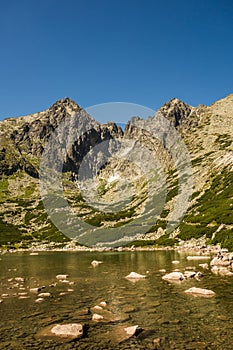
225 238
213 208
9 233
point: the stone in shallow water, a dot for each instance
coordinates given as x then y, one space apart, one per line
177 276
135 275
34 290
97 307
71 330
200 291
103 303
39 300
44 295
19 279
131 330
96 263
189 274
204 266
68 331
175 262
62 277
97 317
120 333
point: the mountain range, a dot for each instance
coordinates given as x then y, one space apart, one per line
188 199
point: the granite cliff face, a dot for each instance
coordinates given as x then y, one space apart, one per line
206 131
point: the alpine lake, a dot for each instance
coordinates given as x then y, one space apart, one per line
167 317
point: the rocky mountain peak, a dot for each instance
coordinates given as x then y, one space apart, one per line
65 102
176 111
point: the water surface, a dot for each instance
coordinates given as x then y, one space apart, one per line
160 308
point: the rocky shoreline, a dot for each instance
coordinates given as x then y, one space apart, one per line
71 247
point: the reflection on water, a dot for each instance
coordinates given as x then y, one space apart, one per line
162 309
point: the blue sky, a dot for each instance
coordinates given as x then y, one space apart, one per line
97 51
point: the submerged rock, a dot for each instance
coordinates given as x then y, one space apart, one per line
135 275
68 331
200 291
175 262
19 279
62 277
95 263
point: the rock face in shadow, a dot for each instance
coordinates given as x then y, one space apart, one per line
23 139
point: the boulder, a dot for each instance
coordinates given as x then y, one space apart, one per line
175 276
219 262
189 274
200 292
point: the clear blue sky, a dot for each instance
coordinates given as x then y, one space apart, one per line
96 51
